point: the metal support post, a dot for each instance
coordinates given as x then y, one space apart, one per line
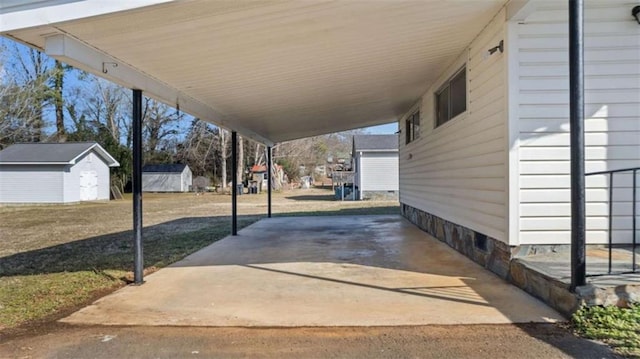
234 183
137 187
269 181
576 108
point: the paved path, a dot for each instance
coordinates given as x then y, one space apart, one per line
455 341
320 271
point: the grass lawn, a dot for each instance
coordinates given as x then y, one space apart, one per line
618 327
55 258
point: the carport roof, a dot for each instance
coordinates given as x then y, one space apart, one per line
271 70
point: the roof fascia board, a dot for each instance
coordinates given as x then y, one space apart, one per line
27 14
36 163
376 150
519 10
80 55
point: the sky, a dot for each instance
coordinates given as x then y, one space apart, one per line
387 129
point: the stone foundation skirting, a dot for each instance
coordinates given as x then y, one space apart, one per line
498 257
484 250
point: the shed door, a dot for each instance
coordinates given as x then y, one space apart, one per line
88 186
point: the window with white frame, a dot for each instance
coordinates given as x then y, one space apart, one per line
451 99
412 127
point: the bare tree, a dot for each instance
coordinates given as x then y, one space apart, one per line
258 155
28 84
160 124
58 99
240 159
199 148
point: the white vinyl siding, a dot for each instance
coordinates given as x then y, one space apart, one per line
378 171
167 181
612 124
161 182
31 184
457 171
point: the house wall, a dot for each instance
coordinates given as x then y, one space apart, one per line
457 172
31 184
378 171
612 111
89 162
163 182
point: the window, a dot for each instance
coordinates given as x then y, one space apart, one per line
451 99
412 127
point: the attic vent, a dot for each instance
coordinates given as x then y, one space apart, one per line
481 241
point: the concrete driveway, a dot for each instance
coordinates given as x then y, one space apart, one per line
320 271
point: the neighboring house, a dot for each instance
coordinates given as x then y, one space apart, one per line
484 154
166 178
375 163
55 173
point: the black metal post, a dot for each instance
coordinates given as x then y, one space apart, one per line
137 187
234 183
635 225
576 108
269 165
610 219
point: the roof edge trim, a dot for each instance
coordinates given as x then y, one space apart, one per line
21 163
17 15
101 151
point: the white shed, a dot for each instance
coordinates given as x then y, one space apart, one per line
166 178
375 163
55 173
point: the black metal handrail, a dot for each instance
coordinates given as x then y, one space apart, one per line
634 242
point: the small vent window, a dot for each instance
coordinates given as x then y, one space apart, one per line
481 241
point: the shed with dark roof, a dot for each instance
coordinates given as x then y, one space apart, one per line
166 177
375 165
55 172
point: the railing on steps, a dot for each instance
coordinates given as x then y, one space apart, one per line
634 240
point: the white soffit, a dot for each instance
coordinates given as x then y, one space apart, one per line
271 70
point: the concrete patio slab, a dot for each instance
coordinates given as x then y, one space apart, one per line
320 271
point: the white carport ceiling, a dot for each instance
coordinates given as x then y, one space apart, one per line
272 70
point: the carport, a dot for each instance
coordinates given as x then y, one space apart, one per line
275 71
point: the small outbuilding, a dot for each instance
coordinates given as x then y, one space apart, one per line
166 178
375 165
55 172
259 177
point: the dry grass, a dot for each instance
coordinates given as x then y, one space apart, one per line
57 257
